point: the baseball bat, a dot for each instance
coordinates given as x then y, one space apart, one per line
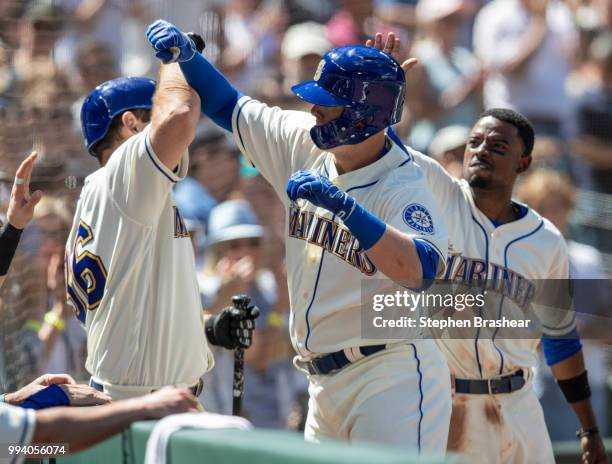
241 302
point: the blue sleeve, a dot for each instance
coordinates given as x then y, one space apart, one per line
48 397
557 349
218 97
429 259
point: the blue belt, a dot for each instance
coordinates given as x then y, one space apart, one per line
505 384
95 385
335 361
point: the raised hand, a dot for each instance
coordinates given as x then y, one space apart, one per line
392 47
171 44
22 203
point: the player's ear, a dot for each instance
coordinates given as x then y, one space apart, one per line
523 164
130 121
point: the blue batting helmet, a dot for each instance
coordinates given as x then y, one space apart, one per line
110 99
368 83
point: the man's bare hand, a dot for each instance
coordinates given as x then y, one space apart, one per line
593 451
392 47
36 385
84 395
168 400
21 205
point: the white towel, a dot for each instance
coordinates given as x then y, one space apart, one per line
158 441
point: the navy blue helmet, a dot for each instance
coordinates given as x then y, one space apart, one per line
368 83
110 99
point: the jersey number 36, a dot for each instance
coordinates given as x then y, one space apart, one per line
85 274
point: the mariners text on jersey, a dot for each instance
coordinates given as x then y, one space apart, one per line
334 238
499 279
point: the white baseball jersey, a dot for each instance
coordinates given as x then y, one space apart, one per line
326 266
519 254
131 275
517 257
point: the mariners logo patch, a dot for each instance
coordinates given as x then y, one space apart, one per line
418 218
317 75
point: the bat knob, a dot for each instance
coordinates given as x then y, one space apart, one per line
198 41
241 301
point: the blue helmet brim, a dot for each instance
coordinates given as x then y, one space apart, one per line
313 93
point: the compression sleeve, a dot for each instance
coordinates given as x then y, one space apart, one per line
218 97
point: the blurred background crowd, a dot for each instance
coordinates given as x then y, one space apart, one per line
549 59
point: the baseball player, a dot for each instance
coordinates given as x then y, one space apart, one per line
131 275
358 215
496 414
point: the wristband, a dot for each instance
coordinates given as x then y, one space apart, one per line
576 389
9 239
48 397
55 321
364 226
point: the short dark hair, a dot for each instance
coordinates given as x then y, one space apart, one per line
112 135
522 124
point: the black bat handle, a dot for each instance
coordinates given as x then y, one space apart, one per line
238 385
242 303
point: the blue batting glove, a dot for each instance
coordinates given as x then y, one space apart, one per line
319 191
170 43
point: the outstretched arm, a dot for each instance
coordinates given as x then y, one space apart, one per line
218 97
83 427
175 116
406 260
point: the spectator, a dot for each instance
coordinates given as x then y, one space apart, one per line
447 148
63 340
215 163
233 266
100 20
527 47
252 34
553 196
593 142
40 29
95 65
8 77
302 48
448 86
